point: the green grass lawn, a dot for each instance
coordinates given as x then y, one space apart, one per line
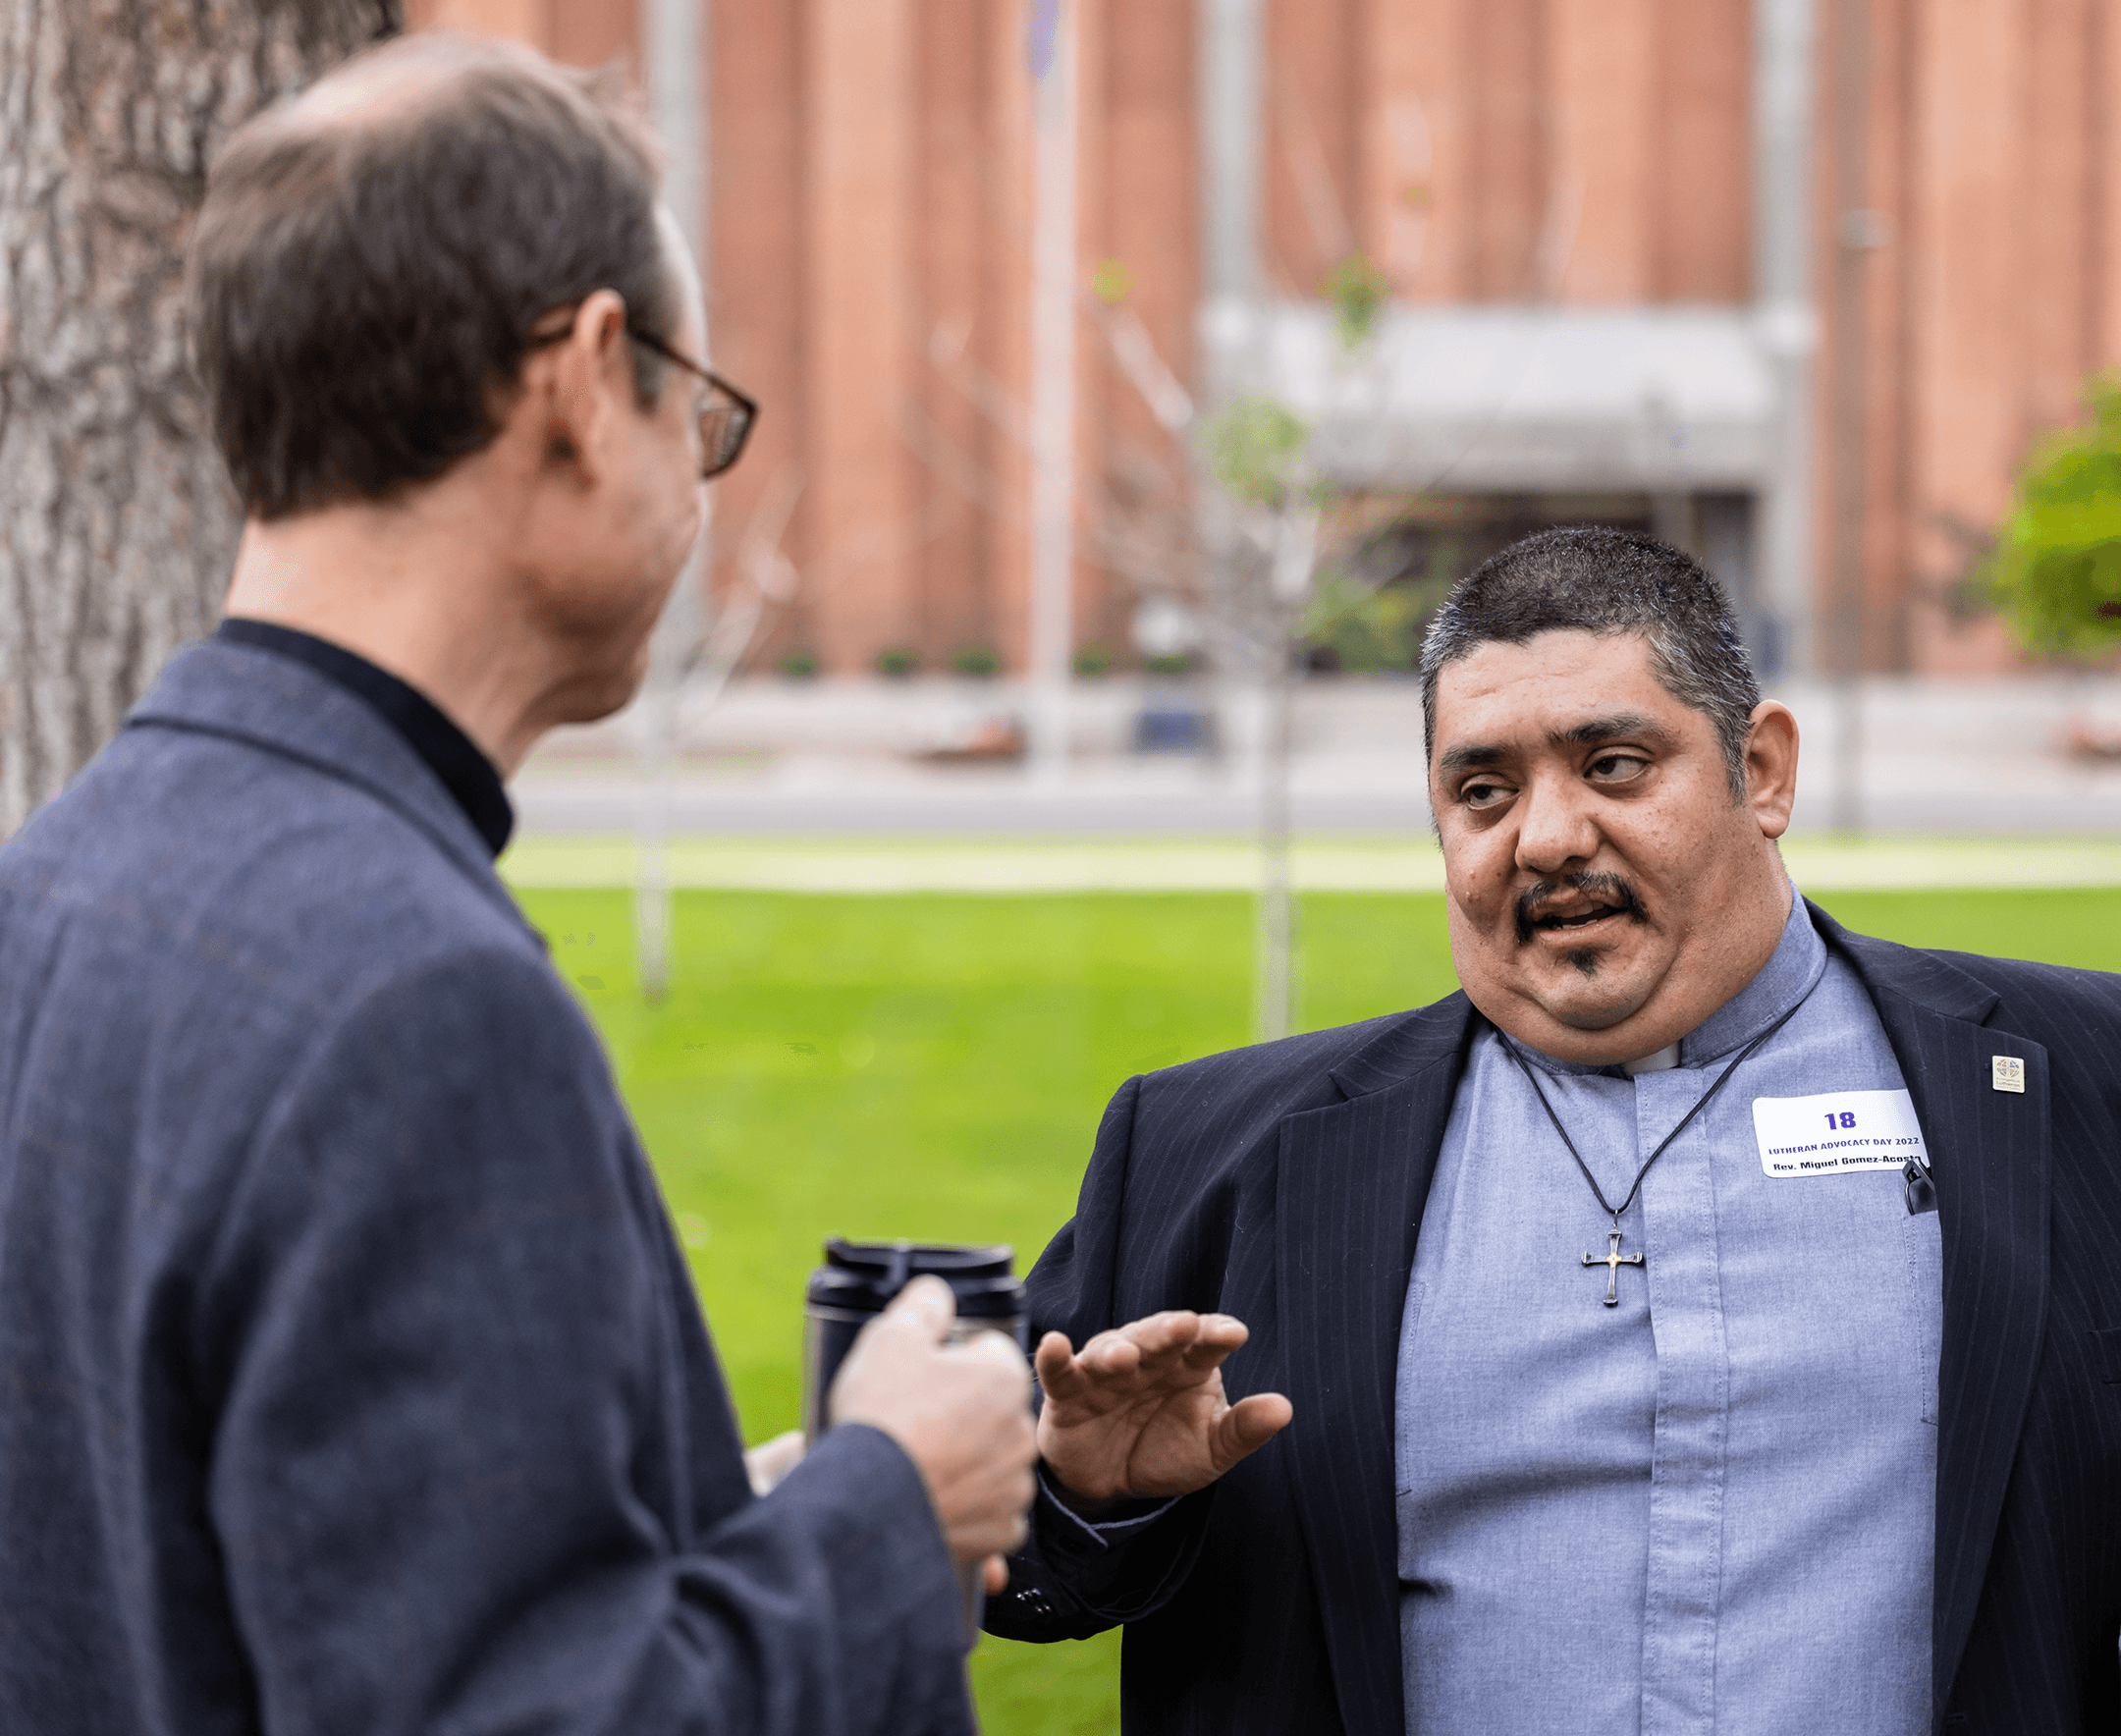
934 1066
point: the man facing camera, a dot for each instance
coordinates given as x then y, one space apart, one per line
350 1380
1709 1320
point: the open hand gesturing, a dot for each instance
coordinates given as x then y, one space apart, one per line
1139 1412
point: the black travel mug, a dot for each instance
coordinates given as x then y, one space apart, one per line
854 1285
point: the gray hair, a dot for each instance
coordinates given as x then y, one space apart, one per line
1592 579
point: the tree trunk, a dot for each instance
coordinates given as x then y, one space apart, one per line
117 522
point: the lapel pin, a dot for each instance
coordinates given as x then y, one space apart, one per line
2006 1072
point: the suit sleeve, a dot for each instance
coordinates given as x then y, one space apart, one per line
459 1474
1072 1580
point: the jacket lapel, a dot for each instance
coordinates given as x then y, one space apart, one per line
1990 1153
1351 1182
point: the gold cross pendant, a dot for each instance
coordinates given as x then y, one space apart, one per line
1613 1260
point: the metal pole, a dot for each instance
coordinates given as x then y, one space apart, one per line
1232 119
1053 405
1229 120
1786 314
1227 103
1231 56
1275 973
674 39
1857 235
1278 973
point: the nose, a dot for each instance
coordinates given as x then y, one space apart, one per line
1555 828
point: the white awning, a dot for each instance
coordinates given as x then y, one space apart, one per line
1507 399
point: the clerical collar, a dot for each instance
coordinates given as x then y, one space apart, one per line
1793 970
465 773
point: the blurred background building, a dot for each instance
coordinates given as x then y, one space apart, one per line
1797 285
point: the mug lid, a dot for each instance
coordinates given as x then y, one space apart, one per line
863 1277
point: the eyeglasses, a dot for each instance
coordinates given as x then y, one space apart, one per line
725 421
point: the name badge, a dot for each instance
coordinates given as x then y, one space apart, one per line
1835 1132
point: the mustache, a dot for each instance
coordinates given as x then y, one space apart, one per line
1604 889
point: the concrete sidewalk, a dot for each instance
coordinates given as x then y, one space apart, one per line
990 865
841 758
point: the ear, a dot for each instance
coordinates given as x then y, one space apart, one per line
575 390
1771 767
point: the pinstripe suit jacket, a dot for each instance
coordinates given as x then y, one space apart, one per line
1285 1186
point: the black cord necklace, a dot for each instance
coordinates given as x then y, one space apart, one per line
1612 1259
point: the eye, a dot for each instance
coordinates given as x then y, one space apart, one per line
1618 768
1483 794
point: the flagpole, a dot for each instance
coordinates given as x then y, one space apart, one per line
673 34
1051 54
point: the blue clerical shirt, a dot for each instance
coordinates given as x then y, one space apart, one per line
1712 1507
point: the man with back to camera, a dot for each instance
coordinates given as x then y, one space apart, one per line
1709 1320
349 1379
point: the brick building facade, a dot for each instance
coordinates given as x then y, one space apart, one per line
869 241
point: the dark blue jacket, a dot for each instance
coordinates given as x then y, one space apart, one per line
1285 1185
351 1381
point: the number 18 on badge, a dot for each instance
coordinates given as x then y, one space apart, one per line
1836 1131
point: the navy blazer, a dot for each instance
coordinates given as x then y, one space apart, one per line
350 1380
1284 1184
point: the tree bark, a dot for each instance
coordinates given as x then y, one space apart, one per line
117 522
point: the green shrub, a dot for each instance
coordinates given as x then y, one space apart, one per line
976 659
897 662
1357 291
1178 664
2055 573
1368 628
1093 660
800 665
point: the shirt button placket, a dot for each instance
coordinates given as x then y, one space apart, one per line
1687 1461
